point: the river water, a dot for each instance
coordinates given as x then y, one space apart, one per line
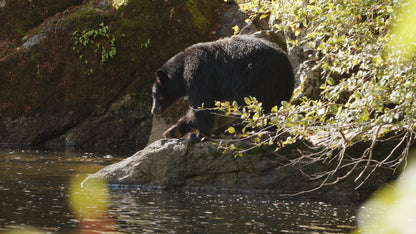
34 192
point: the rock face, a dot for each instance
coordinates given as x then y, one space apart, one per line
59 97
173 164
58 87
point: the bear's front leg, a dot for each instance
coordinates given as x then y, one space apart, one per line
204 122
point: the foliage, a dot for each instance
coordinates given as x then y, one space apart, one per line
366 90
402 43
99 39
391 208
118 3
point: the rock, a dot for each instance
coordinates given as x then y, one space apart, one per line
170 116
307 76
42 34
120 129
159 164
180 164
233 16
58 91
272 36
18 17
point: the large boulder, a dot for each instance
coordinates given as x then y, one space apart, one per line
180 164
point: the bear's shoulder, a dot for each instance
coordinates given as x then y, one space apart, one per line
241 44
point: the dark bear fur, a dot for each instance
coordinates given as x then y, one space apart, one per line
186 124
226 69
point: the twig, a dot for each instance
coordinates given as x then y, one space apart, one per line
370 154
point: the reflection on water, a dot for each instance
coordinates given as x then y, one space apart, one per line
227 213
34 191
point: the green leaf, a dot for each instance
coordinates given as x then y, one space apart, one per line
231 130
311 35
330 81
325 66
235 104
333 108
247 101
232 147
285 104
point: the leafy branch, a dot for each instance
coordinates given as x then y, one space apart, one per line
366 89
330 142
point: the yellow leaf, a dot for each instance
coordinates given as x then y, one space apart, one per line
236 29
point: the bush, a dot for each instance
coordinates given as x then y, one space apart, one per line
366 89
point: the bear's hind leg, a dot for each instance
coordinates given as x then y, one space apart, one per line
184 125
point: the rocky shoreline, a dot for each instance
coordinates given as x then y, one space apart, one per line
179 164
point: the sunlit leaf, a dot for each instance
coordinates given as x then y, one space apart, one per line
236 29
247 101
330 81
333 108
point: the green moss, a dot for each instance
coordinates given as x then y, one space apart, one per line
201 14
16 22
50 76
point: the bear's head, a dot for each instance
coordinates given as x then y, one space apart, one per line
165 91
159 93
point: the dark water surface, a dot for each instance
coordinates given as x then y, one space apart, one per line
34 188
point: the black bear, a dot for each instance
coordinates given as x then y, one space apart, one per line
226 69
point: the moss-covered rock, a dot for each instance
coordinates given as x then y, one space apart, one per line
17 17
62 69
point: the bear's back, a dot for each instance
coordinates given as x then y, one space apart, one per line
234 47
238 67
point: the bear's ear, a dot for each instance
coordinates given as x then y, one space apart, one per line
161 76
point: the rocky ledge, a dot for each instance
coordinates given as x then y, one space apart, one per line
180 164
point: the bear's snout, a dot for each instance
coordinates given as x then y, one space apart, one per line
156 109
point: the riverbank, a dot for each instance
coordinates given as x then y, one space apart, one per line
179 164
